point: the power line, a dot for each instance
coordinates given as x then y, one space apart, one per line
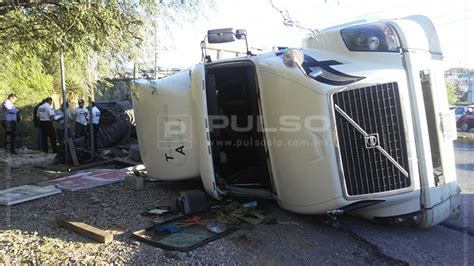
290 22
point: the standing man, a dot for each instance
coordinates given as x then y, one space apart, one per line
46 117
95 124
9 120
39 138
81 115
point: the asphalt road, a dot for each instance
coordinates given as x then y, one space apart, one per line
449 243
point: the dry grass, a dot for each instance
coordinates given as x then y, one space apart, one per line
465 137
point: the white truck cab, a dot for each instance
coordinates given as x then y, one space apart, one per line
356 121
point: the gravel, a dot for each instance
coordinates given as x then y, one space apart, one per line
29 234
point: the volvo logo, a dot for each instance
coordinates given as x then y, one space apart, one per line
323 72
372 141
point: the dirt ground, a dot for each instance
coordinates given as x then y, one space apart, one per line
29 234
26 168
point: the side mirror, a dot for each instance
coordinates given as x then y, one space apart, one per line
240 33
220 35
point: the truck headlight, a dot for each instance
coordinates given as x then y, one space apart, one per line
377 37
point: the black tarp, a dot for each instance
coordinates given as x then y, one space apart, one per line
117 123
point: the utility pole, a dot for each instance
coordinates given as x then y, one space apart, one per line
63 90
134 70
91 124
156 53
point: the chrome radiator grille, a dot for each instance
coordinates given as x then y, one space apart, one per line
371 139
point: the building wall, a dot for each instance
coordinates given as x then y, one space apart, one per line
113 90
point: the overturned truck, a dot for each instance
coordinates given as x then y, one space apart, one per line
355 122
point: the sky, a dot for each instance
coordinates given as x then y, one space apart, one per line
454 21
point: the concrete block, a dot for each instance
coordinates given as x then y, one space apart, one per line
134 182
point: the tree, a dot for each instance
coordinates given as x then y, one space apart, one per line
42 29
109 30
451 90
70 26
25 76
99 34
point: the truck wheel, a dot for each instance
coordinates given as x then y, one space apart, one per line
465 127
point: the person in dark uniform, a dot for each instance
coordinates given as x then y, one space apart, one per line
9 120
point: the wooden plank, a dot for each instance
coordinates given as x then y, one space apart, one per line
73 152
85 230
90 165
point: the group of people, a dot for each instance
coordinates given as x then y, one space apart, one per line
51 123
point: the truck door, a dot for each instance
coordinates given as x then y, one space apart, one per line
201 126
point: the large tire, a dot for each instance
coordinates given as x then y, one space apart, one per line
465 127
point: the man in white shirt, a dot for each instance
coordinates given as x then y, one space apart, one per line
95 124
81 116
46 116
9 120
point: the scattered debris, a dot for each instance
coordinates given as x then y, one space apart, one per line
24 193
167 228
85 230
193 201
216 227
89 179
183 233
250 204
30 235
249 215
158 211
252 217
188 232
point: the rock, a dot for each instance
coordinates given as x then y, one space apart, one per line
174 255
94 200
